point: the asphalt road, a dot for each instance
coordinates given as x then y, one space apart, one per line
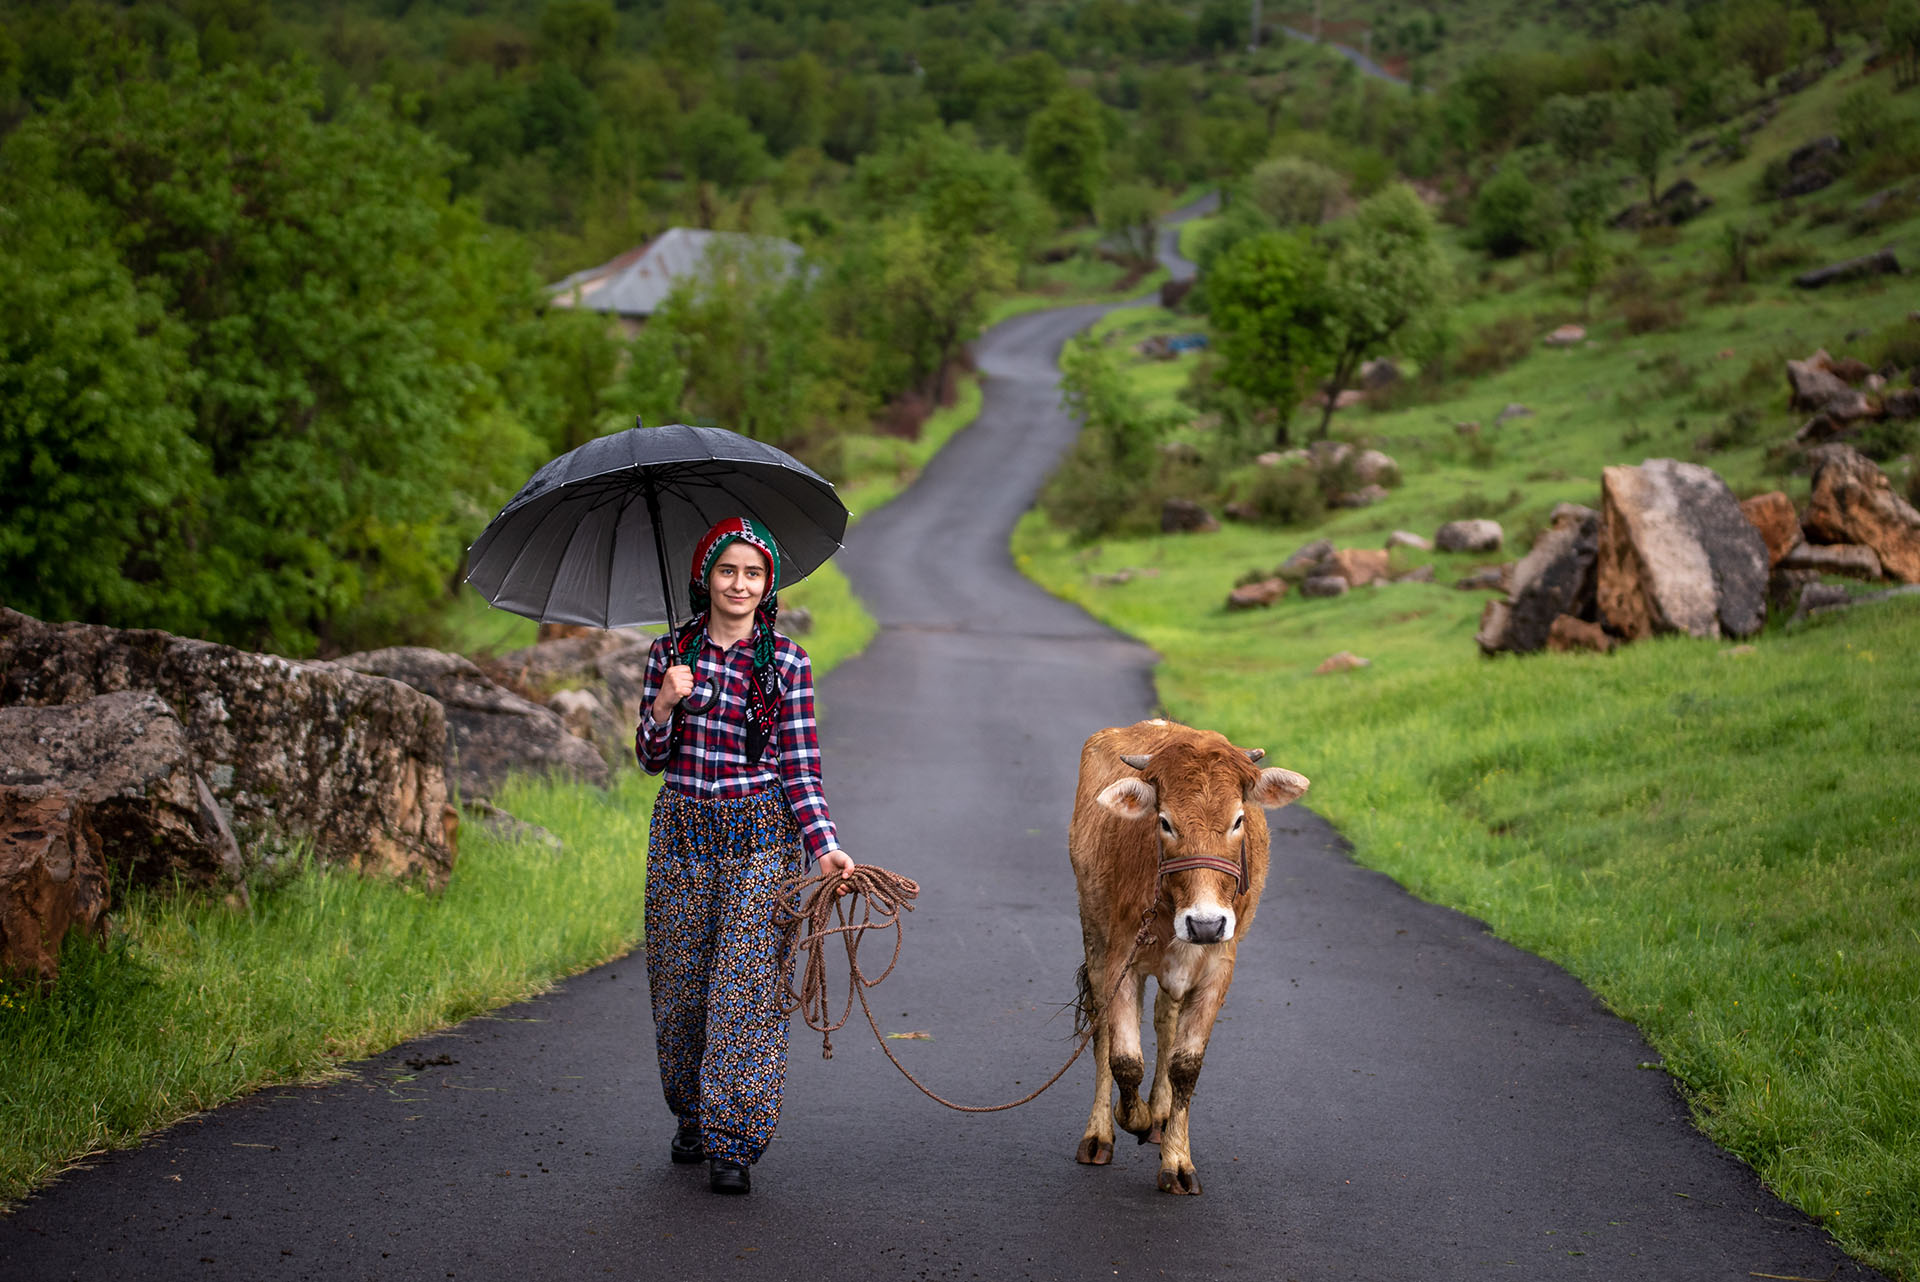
1391 1093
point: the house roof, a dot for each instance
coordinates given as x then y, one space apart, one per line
638 281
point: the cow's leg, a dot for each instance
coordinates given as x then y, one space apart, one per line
1096 1145
1166 1013
1129 1064
1198 1010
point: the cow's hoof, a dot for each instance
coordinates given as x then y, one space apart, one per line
1185 1181
1094 1151
1152 1136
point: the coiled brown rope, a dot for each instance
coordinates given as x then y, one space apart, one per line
827 909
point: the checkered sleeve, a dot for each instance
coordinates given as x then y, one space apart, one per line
653 740
800 754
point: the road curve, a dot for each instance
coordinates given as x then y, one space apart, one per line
1391 1094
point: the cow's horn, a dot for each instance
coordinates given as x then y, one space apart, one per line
1256 755
1138 760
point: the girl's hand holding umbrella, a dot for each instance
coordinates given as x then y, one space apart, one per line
676 685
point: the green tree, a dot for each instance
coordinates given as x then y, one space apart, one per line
338 323
577 33
1129 216
1647 134
1294 191
1386 281
1264 297
1761 33
935 287
1507 213
1066 152
720 147
747 331
1577 126
1099 486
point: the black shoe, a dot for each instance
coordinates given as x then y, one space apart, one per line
728 1177
686 1146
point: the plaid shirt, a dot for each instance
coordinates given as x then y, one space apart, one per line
710 759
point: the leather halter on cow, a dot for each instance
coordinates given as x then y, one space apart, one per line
1205 794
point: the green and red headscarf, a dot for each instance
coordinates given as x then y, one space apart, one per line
763 704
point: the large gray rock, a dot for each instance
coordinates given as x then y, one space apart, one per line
1556 577
1469 536
1677 554
52 881
491 731
294 753
125 758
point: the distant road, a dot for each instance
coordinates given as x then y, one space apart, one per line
1368 67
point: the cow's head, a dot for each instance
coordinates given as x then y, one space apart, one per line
1199 799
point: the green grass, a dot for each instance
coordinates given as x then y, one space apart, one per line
1720 843
195 1004
876 468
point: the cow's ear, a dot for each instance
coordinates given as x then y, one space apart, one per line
1130 798
1276 787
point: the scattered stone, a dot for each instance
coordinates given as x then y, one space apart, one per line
1566 336
1305 561
1677 554
125 759
1779 525
1469 536
1849 560
1882 263
1865 598
1253 596
1365 496
1816 597
1512 411
1850 370
52 879
1812 166
1854 503
1570 512
1345 661
1423 574
1376 375
1555 577
491 731
1240 512
1488 578
506 827
795 621
1184 516
1903 404
295 754
1361 566
1569 634
1408 539
1375 468
1784 588
1324 585
1815 386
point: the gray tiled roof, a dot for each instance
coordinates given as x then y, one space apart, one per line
638 281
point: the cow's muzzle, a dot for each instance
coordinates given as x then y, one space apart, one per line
1204 923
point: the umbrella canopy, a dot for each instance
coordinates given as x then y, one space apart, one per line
604 534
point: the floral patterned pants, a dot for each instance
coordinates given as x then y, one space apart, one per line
714 871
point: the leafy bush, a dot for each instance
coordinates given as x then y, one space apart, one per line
1496 346
1294 191
1102 486
1287 496
1644 302
1507 214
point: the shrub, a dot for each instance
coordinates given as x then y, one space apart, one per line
1287 496
1294 191
1507 214
1740 428
1644 302
1474 504
1496 346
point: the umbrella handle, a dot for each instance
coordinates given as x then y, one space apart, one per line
704 696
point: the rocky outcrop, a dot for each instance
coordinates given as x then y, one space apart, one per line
52 880
1305 561
1854 503
295 754
1882 263
1849 560
1256 595
1184 516
1324 585
491 731
1361 566
1677 555
1779 525
124 759
1555 578
1568 635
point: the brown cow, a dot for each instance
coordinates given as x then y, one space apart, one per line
1173 816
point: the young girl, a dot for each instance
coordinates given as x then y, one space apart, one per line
741 798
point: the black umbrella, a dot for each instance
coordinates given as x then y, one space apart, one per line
600 535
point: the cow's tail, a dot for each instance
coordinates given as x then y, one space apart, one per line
1083 1010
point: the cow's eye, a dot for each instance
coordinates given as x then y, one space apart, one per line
1237 821
1166 828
